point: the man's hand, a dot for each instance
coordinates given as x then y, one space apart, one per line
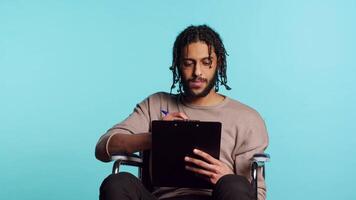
175 116
209 167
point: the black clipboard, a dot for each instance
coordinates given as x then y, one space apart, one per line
171 141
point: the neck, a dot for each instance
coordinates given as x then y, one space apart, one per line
211 99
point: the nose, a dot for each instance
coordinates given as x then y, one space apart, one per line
197 70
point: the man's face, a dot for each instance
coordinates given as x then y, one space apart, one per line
198 70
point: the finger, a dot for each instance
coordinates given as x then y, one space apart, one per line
200 163
183 115
171 118
206 157
200 171
180 115
175 116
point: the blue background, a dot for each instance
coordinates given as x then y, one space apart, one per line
69 70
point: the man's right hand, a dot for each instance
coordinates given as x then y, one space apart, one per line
130 143
175 116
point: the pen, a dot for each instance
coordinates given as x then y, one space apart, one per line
165 113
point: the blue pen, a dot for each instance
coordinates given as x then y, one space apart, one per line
165 113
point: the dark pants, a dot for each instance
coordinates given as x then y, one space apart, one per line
125 186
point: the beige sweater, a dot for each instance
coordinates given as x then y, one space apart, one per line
243 133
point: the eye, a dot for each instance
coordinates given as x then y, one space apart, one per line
207 62
188 63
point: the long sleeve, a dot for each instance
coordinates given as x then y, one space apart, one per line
137 122
252 139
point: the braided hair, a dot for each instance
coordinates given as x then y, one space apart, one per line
207 35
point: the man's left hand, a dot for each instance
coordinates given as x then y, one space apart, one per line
209 167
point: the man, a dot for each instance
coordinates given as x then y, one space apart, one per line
199 68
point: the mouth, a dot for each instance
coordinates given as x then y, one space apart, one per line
197 83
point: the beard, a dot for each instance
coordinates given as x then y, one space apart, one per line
210 84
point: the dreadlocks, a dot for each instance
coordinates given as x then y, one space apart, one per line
194 34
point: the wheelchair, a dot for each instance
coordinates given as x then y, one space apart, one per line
141 161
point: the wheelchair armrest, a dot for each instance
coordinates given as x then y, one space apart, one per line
125 159
260 159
